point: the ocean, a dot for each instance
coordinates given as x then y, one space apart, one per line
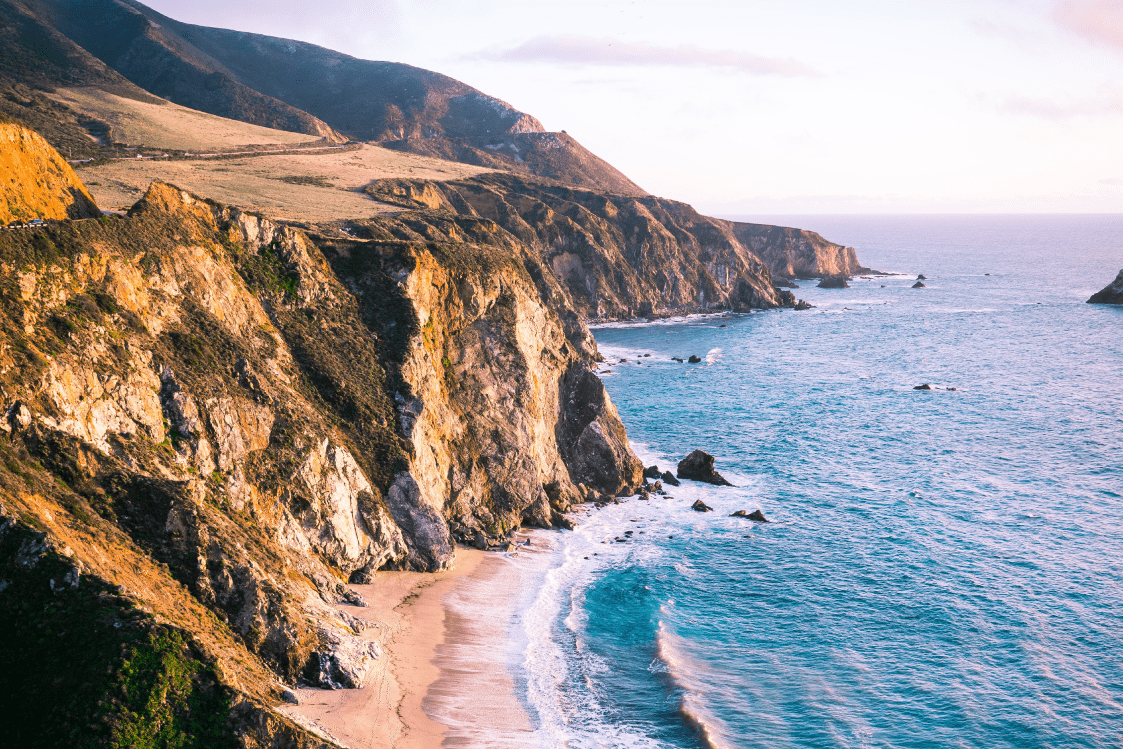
941 568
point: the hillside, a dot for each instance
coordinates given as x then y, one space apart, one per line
161 63
35 182
291 85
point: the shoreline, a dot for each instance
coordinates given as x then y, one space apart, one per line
442 678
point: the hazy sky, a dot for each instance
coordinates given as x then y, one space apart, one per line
800 106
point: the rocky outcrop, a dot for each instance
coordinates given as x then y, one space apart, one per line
35 182
263 414
798 253
699 466
611 256
1110 294
836 281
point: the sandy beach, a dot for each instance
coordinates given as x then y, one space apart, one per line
442 679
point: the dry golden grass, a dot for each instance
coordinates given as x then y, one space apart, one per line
313 186
171 126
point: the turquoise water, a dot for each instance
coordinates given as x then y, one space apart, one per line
942 568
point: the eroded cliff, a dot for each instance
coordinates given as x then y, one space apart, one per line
612 256
218 422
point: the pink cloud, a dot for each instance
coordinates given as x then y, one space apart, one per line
608 52
1097 20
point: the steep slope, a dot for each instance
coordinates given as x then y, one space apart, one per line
157 60
213 425
35 57
293 85
614 256
35 182
797 253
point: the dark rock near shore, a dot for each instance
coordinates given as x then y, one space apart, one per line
919 285
651 472
669 479
922 277
675 358
836 281
1110 294
755 515
699 466
802 305
700 506
694 359
925 386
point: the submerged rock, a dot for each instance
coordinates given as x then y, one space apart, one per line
835 281
694 359
699 466
700 506
1110 294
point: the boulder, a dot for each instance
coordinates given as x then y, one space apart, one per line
669 479
699 466
700 506
675 358
758 516
919 285
802 305
922 277
835 281
651 472
925 386
1110 294
693 359
290 697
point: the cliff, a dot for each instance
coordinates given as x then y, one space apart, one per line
611 256
212 423
35 182
797 253
1110 294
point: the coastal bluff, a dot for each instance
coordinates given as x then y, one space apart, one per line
212 423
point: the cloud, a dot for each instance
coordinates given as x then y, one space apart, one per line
1096 20
576 50
1053 110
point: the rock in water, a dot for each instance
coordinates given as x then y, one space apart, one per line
919 285
925 386
651 472
700 506
758 516
835 281
922 277
1110 294
693 359
699 466
669 479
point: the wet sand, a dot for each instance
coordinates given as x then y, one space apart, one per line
444 641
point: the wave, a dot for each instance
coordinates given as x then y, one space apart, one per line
683 671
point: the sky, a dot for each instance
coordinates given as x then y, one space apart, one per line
800 106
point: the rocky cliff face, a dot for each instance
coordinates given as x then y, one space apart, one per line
1110 294
614 256
35 182
797 253
225 420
